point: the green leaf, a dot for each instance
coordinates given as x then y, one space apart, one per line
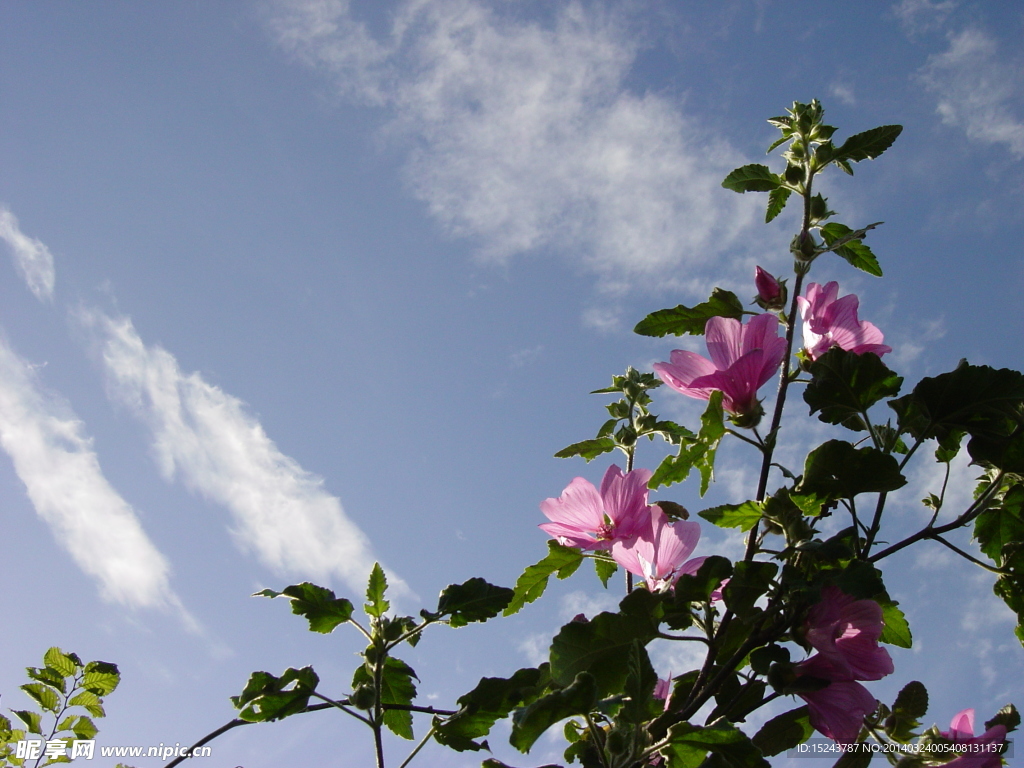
65 664
641 678
89 701
32 720
396 687
101 677
784 732
868 145
1000 525
910 707
691 320
752 178
599 646
474 600
491 700
560 560
321 608
837 470
688 744
578 698
743 516
266 697
1008 717
696 588
606 568
749 581
845 384
84 729
974 399
777 199
896 630
588 449
1010 589
375 589
846 242
48 676
43 695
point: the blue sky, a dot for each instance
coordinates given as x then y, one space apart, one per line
292 287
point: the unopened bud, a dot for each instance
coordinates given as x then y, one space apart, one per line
771 292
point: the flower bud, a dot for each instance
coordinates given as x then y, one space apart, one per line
771 292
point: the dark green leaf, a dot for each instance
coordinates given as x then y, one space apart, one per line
854 759
267 697
896 630
837 470
474 600
492 699
762 658
868 145
599 646
912 700
743 516
375 589
845 384
640 705
588 449
860 580
578 698
560 560
683 320
689 743
697 587
1005 452
1008 717
396 687
752 178
321 608
975 399
749 581
777 199
784 732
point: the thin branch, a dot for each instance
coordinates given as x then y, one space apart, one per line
966 556
419 746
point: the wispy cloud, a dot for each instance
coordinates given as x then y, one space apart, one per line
979 89
204 437
920 16
55 460
32 258
526 138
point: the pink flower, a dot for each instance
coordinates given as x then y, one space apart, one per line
846 631
658 553
837 710
832 322
718 593
984 752
743 359
582 517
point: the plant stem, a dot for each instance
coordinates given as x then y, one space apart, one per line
419 746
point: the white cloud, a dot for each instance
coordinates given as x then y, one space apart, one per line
979 90
843 92
919 16
32 259
206 438
55 460
526 139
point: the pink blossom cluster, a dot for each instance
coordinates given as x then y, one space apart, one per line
832 322
618 519
845 634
